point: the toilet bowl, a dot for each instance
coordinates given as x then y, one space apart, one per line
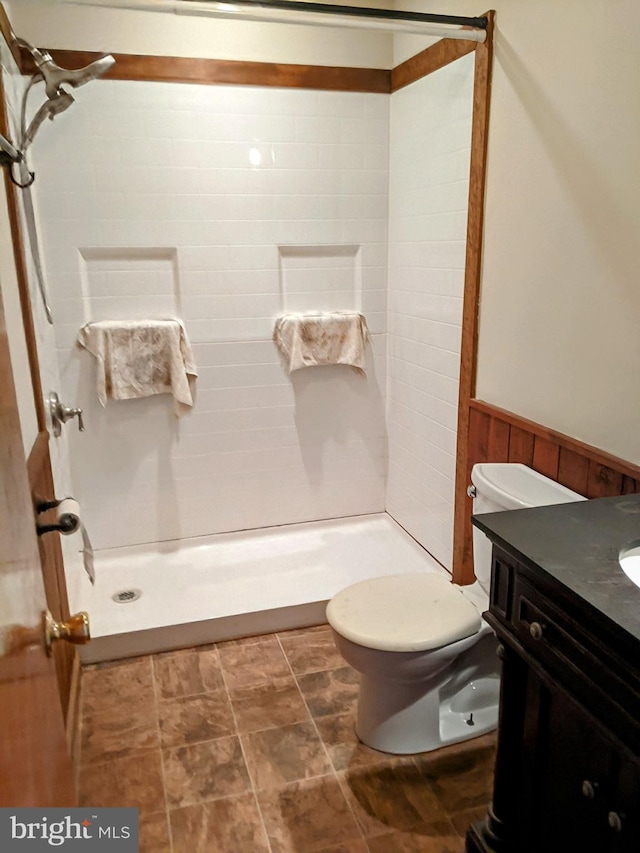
427 660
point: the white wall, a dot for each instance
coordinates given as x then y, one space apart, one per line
149 205
429 185
559 340
560 296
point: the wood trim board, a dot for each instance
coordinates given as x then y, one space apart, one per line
7 33
429 60
180 69
462 557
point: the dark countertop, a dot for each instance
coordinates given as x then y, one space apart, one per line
577 545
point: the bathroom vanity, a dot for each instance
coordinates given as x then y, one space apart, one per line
568 622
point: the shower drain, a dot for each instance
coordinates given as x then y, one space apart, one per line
124 596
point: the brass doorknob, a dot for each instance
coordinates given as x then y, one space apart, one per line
74 630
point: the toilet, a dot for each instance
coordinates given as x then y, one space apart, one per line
429 670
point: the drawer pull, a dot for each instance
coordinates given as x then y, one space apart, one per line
589 789
535 629
615 821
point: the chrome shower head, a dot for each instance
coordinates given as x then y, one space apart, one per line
50 109
56 77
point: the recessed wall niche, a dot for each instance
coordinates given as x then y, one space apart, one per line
124 283
320 277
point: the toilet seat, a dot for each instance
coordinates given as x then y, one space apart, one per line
403 613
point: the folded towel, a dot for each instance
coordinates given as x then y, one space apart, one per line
138 358
306 340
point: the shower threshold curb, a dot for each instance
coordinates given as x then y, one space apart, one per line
170 637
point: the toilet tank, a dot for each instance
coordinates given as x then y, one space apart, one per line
507 485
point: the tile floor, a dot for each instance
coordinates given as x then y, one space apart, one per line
248 746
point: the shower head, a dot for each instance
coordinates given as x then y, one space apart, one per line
50 109
55 77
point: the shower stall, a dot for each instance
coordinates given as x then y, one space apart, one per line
224 205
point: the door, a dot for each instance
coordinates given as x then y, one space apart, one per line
574 776
35 768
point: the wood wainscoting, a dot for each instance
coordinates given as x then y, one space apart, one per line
496 435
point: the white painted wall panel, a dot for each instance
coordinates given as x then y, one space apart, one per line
428 180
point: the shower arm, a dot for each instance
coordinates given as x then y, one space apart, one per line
38 56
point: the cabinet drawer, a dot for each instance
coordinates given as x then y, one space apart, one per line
547 633
567 652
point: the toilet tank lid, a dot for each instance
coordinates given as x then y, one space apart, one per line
403 613
516 486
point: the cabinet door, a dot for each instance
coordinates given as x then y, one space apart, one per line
571 788
623 818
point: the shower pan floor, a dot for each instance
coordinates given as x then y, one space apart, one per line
229 585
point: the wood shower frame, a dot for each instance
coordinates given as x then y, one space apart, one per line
371 80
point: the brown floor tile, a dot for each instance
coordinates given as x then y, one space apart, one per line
308 816
245 641
114 683
230 825
463 747
191 719
132 780
253 663
338 734
205 771
422 804
268 706
303 632
188 672
331 692
113 664
154 833
288 754
462 820
430 838
461 779
391 797
114 730
311 652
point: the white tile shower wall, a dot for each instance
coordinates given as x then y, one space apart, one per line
222 177
428 187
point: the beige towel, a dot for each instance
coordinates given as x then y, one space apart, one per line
138 358
306 340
